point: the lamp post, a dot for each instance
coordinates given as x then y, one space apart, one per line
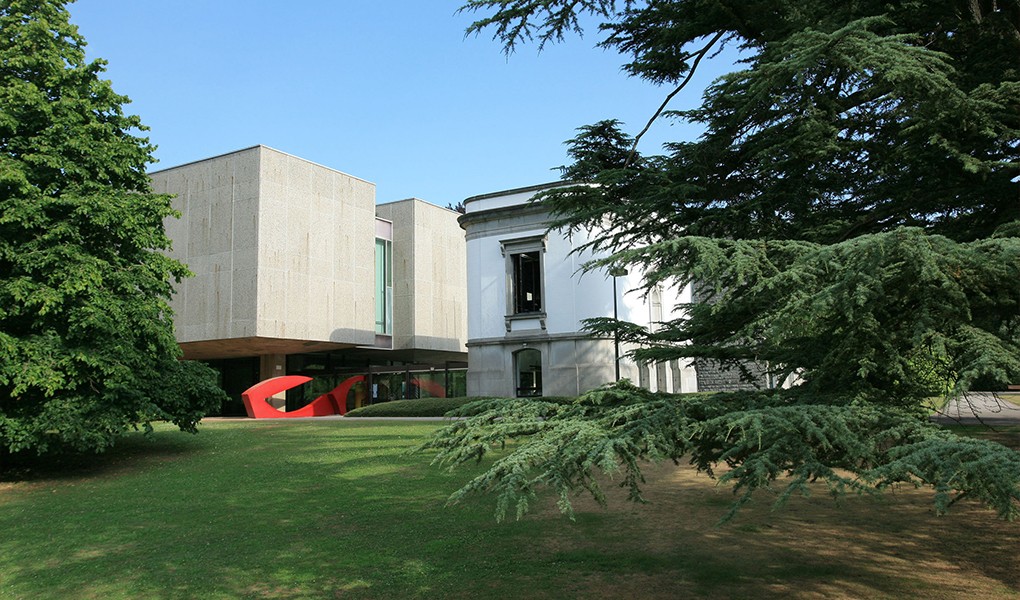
614 273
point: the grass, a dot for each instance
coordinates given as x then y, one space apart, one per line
338 509
935 404
1011 397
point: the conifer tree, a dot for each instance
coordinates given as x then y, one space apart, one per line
851 216
87 348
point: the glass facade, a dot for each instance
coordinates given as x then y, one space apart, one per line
384 380
235 375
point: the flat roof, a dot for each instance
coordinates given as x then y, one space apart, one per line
415 199
255 147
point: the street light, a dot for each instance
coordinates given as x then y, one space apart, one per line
614 273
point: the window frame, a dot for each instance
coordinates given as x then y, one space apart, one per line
383 290
536 384
511 249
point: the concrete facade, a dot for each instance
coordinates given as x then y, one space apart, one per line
504 227
430 276
283 252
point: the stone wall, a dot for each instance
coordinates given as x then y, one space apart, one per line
281 248
429 276
714 378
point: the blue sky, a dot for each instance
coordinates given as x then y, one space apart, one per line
390 91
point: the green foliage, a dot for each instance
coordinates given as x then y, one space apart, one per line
752 440
849 219
87 348
861 316
420 407
546 20
431 407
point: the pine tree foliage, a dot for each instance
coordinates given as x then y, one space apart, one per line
850 220
771 441
87 348
856 316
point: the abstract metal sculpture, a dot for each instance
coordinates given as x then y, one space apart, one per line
333 402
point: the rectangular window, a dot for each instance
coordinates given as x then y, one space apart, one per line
525 285
655 308
527 282
383 287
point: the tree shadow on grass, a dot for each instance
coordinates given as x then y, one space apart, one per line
131 451
1007 435
886 547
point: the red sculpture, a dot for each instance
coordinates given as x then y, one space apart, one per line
435 389
333 402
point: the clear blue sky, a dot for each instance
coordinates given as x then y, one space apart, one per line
390 91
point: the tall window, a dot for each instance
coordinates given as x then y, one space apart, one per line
525 284
528 367
655 308
383 279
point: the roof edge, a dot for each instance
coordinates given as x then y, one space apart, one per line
531 188
257 147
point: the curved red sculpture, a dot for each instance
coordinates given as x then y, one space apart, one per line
339 394
333 402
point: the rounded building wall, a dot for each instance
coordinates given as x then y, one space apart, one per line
506 237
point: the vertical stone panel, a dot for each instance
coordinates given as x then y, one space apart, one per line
429 276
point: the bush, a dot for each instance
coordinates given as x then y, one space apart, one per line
419 407
434 407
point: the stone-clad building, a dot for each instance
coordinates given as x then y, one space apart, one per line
298 271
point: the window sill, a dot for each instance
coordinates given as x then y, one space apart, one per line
523 319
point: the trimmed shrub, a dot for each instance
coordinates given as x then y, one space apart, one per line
419 407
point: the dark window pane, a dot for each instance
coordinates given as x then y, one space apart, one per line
527 282
529 372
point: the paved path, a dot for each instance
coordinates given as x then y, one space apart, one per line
982 408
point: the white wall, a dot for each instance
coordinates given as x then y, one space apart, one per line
570 295
571 364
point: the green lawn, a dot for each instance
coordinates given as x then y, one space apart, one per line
337 509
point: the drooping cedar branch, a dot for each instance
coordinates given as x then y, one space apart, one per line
849 216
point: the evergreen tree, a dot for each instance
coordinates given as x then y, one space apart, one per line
87 348
851 216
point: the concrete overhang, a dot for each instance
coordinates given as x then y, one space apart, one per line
253 346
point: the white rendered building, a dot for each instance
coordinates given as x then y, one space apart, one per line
527 299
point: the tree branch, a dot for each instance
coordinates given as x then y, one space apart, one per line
700 54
